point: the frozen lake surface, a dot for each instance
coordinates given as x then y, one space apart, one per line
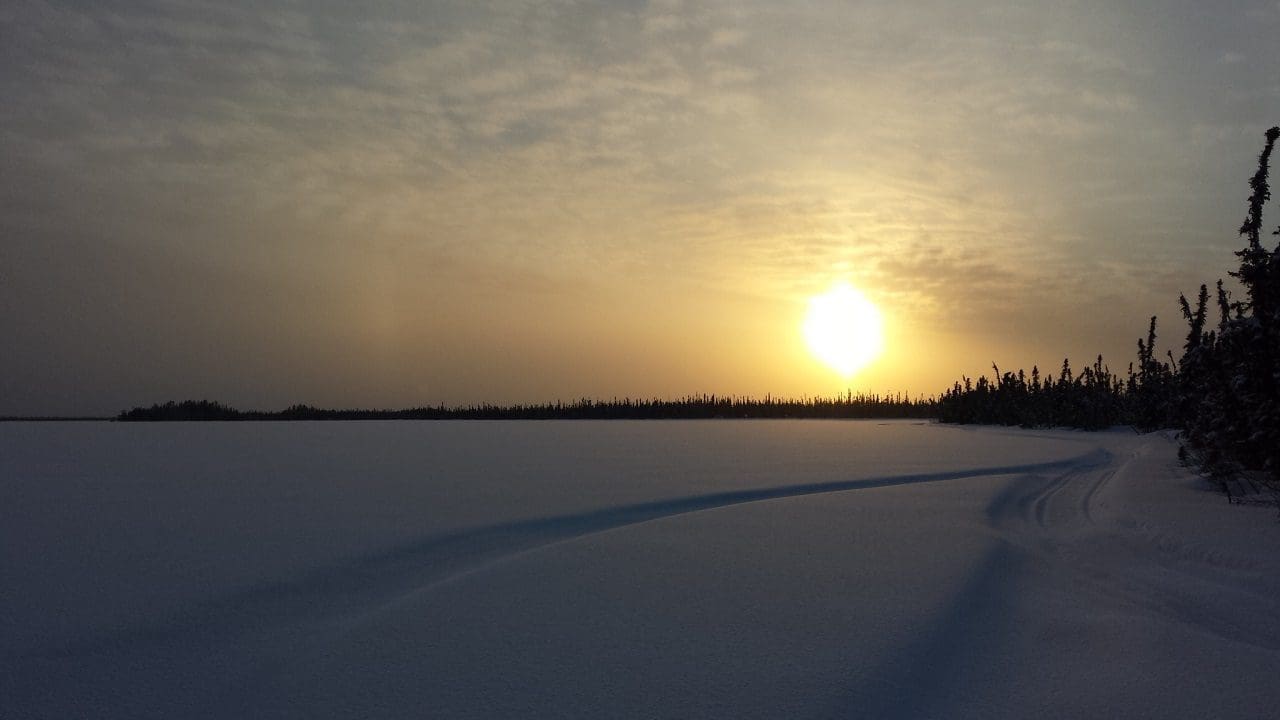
624 569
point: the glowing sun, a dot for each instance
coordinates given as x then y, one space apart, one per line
843 329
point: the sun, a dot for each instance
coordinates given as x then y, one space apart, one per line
843 329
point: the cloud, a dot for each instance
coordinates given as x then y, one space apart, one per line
945 156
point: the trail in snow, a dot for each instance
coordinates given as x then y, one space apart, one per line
1097 585
1054 545
926 674
1118 560
365 584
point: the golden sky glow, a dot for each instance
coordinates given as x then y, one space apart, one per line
366 205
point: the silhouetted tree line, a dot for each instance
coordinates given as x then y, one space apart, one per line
696 407
1092 399
1223 393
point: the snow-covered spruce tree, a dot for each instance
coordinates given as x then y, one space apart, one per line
1257 331
1230 381
1150 401
1197 357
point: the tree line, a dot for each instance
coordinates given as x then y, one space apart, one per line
1222 392
694 407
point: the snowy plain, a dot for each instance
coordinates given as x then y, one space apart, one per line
647 569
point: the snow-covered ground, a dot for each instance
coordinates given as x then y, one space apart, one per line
625 569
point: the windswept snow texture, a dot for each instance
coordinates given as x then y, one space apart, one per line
648 569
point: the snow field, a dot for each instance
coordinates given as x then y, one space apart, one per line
652 569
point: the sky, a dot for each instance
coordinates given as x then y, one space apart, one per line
393 204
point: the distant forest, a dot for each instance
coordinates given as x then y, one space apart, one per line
698 407
1222 392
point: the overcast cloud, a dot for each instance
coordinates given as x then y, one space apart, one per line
389 203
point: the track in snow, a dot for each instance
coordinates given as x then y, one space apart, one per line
1053 521
1054 536
363 585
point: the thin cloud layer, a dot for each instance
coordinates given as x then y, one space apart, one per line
383 178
